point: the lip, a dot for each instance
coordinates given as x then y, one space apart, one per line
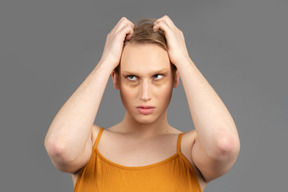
145 109
145 106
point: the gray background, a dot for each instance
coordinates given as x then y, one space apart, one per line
47 48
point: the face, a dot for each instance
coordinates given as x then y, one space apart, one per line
145 79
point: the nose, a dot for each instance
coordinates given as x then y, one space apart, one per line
145 93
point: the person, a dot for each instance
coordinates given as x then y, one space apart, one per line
144 152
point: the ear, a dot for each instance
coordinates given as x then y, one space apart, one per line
115 79
176 79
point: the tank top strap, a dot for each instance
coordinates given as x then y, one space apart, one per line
98 137
179 142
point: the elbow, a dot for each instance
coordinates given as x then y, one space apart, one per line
57 152
226 146
55 149
61 156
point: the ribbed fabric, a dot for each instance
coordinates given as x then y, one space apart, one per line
170 175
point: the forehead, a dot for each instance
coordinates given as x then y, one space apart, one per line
144 58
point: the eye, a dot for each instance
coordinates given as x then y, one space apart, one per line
130 77
158 75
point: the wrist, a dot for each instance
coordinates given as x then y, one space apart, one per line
104 66
183 61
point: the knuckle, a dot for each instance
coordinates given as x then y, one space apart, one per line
123 18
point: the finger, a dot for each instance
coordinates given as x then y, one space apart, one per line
121 23
125 32
165 19
129 31
118 24
129 34
163 26
124 23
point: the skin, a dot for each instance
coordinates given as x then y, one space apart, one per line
140 84
212 148
217 144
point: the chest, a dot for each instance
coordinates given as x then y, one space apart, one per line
128 153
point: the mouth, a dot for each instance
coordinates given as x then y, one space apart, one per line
145 107
145 110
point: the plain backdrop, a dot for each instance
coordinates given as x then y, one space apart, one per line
47 48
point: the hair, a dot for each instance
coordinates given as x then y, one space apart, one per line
144 33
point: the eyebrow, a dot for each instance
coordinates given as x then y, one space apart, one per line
154 72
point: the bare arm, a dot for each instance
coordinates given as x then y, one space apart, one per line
217 143
69 138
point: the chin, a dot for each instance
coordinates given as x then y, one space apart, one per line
148 119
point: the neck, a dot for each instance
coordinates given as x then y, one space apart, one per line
144 129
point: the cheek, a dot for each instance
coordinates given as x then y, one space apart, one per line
127 92
161 90
164 90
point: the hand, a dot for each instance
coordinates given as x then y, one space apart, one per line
115 41
175 39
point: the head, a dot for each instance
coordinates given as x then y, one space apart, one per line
145 75
144 34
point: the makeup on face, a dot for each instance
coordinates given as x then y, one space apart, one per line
145 110
158 77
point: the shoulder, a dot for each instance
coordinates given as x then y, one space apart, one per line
108 132
95 131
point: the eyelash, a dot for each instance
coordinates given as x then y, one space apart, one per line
127 77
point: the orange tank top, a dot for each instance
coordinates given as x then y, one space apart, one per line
102 175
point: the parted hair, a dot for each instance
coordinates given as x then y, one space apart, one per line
143 33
